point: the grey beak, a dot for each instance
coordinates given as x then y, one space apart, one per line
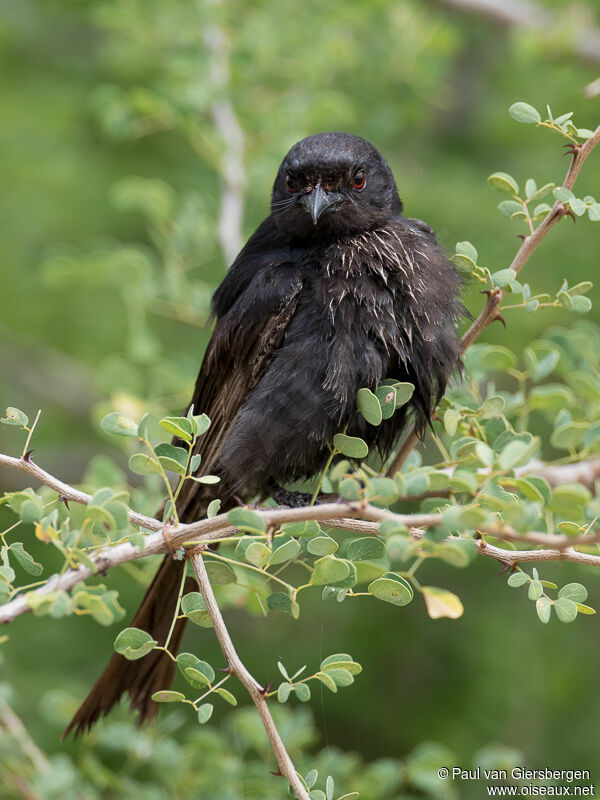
319 201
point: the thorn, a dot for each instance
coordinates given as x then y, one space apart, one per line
572 149
63 499
27 456
566 212
507 566
278 774
500 318
266 689
521 236
227 670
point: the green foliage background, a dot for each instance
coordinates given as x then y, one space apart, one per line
94 93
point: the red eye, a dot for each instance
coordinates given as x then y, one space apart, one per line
289 184
360 180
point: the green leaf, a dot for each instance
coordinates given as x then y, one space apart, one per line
329 570
205 712
594 212
208 480
341 677
25 560
536 590
543 607
451 420
351 446
486 357
302 692
283 691
382 490
327 680
509 207
181 427
484 453
392 588
341 663
168 697
349 489
143 464
581 609
563 194
257 553
279 601
200 424
119 424
134 643
574 591
220 574
335 658
195 462
322 546
569 436
566 610
386 396
200 671
578 206
285 552
518 579
551 397
173 459
517 454
523 112
503 277
247 520
213 508
14 416
581 305
227 696
504 182
194 608
467 249
369 406
366 548
307 528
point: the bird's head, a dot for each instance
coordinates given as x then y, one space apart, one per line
333 184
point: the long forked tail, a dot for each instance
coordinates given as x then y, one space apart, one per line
152 672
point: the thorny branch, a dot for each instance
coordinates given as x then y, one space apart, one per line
490 312
237 667
352 516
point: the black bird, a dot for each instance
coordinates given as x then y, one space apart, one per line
336 290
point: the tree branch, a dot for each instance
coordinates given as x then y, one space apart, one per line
237 667
490 311
342 516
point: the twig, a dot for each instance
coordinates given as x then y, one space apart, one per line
342 516
490 311
30 434
12 723
237 667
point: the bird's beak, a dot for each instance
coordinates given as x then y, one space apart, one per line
319 202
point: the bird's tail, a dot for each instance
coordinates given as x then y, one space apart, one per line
149 674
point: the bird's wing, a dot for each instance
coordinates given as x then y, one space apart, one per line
245 340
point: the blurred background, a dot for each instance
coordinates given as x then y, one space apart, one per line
138 144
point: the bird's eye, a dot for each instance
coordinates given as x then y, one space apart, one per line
290 184
360 180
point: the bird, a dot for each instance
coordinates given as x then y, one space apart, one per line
336 290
